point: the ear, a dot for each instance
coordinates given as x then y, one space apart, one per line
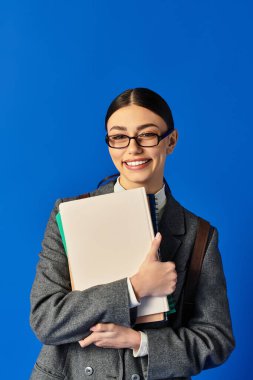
172 141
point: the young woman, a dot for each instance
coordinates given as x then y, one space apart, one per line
92 334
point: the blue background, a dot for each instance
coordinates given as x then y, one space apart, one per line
61 64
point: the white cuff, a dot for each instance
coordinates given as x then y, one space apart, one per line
133 299
143 349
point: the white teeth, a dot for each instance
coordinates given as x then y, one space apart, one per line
136 163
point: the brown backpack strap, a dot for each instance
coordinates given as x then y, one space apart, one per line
195 266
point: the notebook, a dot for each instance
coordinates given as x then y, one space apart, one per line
106 238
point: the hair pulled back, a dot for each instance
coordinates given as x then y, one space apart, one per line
142 97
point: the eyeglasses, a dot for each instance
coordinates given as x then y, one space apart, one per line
146 140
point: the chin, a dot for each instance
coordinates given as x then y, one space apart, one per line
138 180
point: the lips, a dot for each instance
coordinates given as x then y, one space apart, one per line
136 164
138 159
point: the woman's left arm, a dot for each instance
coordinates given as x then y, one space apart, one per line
207 340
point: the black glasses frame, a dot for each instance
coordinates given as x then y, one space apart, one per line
159 138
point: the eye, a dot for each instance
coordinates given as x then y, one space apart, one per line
118 137
147 135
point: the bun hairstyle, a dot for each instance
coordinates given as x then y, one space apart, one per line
142 97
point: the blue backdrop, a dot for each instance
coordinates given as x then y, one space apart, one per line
61 63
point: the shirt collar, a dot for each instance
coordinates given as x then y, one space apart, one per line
160 196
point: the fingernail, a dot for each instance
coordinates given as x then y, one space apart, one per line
158 235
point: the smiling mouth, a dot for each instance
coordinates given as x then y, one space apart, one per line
136 164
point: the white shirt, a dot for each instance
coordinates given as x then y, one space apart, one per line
160 200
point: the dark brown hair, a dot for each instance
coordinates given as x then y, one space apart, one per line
145 98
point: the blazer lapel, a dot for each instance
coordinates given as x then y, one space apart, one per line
171 226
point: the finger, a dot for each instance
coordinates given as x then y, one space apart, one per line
102 327
152 255
87 341
158 237
171 266
99 339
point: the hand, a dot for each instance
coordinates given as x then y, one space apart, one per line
110 335
154 278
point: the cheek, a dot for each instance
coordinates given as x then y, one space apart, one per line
116 155
158 155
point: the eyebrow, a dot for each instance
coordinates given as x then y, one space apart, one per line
139 128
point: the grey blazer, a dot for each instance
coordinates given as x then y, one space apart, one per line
61 317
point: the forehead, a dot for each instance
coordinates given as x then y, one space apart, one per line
133 116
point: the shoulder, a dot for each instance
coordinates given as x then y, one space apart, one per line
192 221
206 225
105 189
177 210
191 217
179 215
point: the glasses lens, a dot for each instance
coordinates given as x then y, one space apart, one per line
147 139
118 141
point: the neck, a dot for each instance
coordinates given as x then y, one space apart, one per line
150 188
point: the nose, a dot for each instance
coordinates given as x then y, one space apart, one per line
133 147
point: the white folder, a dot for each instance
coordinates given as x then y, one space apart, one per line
107 238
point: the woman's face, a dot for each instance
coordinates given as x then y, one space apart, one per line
133 120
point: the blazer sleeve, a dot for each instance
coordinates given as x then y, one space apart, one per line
59 315
207 340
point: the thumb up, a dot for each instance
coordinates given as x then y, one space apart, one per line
154 278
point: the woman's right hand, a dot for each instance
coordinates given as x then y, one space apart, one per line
154 278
